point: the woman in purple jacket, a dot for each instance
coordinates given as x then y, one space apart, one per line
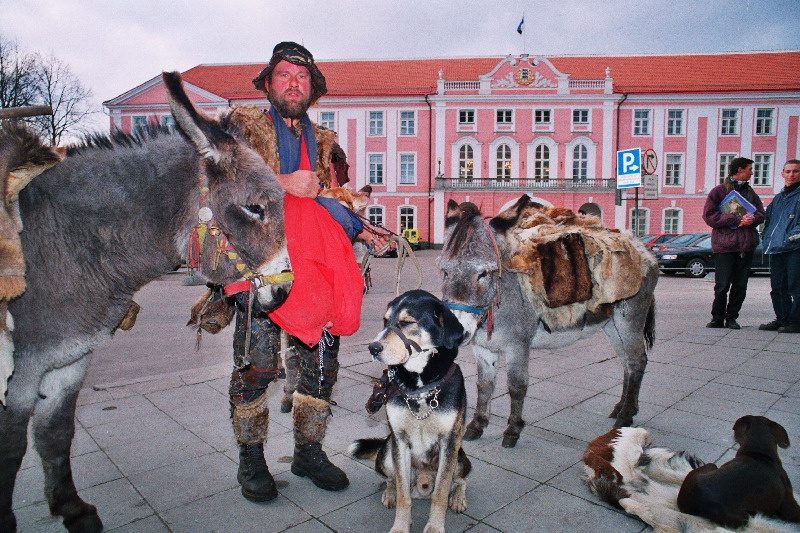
733 239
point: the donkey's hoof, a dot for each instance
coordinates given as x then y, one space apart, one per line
472 432
87 523
509 441
286 405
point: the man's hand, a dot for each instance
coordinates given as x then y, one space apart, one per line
373 236
300 183
747 220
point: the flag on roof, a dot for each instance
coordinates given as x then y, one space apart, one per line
521 25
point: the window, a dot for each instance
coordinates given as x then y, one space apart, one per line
675 122
541 163
168 121
408 123
641 122
764 121
138 122
407 218
580 119
465 163
672 220
328 119
730 122
504 116
503 163
375 123
375 169
542 117
375 215
580 164
408 169
724 161
639 222
762 168
466 117
673 169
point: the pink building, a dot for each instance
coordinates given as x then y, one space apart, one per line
487 130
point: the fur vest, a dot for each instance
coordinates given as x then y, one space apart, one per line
253 125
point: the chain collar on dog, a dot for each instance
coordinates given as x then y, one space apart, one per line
430 390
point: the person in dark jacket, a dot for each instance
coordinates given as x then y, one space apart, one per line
782 244
733 239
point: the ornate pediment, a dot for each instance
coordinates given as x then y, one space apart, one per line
524 72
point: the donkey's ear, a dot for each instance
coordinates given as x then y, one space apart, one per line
453 213
508 218
202 132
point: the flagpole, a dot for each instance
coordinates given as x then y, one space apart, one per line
524 35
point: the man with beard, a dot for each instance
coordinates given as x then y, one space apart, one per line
300 154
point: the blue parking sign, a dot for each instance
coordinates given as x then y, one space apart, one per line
629 168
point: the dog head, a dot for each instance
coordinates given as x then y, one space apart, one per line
355 201
759 431
416 325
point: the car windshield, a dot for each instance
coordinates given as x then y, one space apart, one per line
703 243
682 240
645 238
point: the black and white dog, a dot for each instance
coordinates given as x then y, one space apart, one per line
426 402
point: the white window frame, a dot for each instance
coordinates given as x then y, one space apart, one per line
590 160
729 126
403 168
467 125
678 227
644 226
676 124
373 212
723 160
513 159
552 146
328 122
168 121
401 209
504 120
671 177
371 161
377 124
762 177
641 122
582 126
138 122
766 123
476 160
542 125
408 125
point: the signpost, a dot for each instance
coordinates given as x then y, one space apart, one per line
651 187
629 168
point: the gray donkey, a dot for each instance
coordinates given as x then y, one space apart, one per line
472 261
114 215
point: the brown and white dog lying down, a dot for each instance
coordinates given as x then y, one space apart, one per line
622 468
426 402
355 201
752 482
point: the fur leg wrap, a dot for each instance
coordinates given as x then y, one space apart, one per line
251 421
310 417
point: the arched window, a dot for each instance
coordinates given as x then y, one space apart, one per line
503 163
580 164
466 163
541 163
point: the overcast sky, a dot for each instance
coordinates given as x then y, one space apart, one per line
113 46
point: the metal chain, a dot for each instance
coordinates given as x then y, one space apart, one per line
432 405
326 339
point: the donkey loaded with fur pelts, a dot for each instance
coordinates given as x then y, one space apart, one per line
115 214
538 278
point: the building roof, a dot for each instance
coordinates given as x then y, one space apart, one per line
644 74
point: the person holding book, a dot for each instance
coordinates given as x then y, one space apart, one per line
782 244
733 239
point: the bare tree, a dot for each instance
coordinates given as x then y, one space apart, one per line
17 84
59 88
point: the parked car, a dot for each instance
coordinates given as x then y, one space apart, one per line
684 239
696 260
656 238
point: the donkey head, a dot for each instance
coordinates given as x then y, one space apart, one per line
246 234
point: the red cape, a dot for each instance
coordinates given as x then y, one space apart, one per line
328 285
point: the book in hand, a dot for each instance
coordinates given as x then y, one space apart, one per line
736 204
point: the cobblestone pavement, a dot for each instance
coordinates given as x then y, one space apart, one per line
154 449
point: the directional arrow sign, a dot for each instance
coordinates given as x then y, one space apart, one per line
629 168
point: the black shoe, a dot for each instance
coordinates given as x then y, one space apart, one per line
732 324
311 461
257 483
789 328
716 323
771 326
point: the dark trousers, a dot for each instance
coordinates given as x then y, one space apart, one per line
785 282
731 272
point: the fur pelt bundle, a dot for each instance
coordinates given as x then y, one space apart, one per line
574 263
623 469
